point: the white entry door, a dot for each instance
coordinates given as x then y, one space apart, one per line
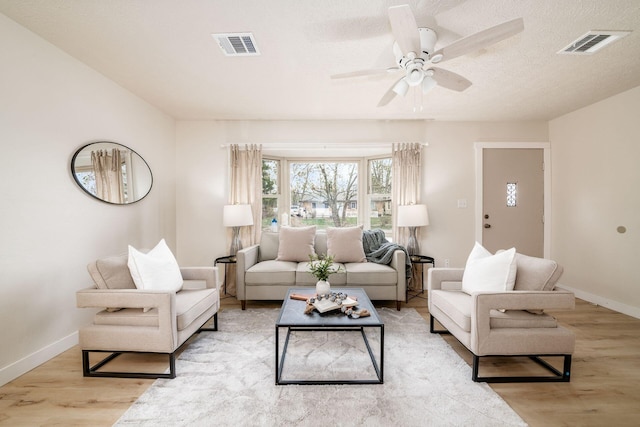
513 199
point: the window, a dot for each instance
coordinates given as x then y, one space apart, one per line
327 193
512 194
332 185
270 191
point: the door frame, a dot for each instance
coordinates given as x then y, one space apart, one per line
546 149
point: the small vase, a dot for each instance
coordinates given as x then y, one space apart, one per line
323 287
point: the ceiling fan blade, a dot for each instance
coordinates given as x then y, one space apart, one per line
391 93
450 80
364 73
405 29
481 39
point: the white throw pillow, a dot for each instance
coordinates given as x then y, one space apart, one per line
155 270
296 243
487 272
344 244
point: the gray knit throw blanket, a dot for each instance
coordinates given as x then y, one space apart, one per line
379 250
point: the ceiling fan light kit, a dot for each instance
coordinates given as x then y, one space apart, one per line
415 54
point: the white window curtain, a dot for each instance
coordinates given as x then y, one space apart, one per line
407 163
246 188
108 170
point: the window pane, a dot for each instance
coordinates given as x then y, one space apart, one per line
380 193
381 212
324 194
512 194
270 191
270 177
380 176
269 211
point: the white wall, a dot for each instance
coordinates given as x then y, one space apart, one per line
595 164
50 105
450 175
449 163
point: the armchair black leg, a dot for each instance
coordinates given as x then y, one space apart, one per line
215 325
557 376
432 328
93 371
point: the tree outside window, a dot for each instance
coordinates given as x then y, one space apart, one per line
380 193
331 185
270 191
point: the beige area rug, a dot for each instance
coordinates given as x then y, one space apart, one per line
227 378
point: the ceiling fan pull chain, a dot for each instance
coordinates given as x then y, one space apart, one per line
418 99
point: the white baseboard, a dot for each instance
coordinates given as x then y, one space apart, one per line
24 365
605 302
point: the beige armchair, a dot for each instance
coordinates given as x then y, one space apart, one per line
143 321
507 323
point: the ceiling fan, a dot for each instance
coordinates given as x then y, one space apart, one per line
415 54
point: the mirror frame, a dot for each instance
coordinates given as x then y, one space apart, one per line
84 189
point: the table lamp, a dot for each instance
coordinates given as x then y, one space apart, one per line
413 216
236 216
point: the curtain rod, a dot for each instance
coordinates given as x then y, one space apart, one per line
323 145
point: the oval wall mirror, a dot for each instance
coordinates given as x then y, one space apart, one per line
111 172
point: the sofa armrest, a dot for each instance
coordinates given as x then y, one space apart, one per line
165 302
208 274
245 259
483 302
436 276
398 263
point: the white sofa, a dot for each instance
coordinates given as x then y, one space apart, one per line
259 276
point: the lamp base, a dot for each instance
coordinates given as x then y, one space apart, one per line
236 243
412 246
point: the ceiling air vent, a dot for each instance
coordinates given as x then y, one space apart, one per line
237 44
592 42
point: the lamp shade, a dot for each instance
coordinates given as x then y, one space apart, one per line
237 215
412 216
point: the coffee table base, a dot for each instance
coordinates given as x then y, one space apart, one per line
280 359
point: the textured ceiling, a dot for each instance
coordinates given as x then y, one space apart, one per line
162 50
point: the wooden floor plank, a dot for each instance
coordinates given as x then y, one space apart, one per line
604 389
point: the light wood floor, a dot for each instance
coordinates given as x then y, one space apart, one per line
604 389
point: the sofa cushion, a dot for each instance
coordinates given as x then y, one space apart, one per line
487 272
272 273
269 243
304 277
296 243
111 273
370 273
536 274
457 305
192 303
344 244
155 270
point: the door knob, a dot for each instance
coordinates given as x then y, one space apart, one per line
487 226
